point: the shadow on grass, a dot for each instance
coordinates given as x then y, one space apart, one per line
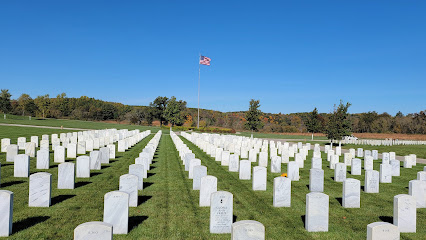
153 167
150 175
147 184
103 167
143 199
340 200
362 188
307 185
386 219
28 222
112 161
8 184
81 184
95 174
234 218
135 221
7 164
303 217
61 198
54 166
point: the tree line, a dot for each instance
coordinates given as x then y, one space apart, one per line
171 111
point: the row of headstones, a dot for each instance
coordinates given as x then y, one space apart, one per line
40 183
80 147
117 203
386 142
351 187
220 202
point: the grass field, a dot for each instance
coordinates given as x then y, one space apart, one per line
168 207
13 119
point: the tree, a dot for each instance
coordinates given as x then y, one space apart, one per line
253 116
26 104
5 105
313 123
339 124
159 105
174 112
43 103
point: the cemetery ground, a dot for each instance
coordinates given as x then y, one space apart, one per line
168 207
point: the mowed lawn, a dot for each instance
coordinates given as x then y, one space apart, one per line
168 207
13 119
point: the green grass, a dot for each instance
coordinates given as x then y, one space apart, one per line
13 119
169 207
13 132
279 136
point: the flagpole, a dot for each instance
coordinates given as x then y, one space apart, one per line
199 71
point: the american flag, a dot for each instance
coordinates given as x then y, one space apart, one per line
205 60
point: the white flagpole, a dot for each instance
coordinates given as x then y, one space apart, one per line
199 70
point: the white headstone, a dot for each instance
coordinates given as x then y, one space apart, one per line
21 143
382 231
356 166
351 193
111 151
104 154
43 159
368 163
192 164
276 164
83 167
207 187
385 173
316 218
371 181
59 154
263 159
5 142
316 163
404 213
40 189
396 167
293 171
66 175
21 166
316 180
221 212
259 178
245 170
340 172
95 160
81 147
139 171
199 172
6 210
282 192
225 158
234 163
93 231
30 149
11 152
416 188
129 184
247 230
71 150
116 211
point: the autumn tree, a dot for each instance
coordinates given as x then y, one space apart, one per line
254 122
174 111
313 123
43 103
26 104
159 105
339 124
5 105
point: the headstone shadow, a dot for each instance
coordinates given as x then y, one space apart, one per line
340 200
234 218
95 174
27 223
81 184
153 167
303 217
307 185
104 166
143 199
150 175
8 184
363 188
135 221
147 184
386 219
61 198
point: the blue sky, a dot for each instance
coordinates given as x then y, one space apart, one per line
292 55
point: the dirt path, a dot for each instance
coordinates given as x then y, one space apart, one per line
35 126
